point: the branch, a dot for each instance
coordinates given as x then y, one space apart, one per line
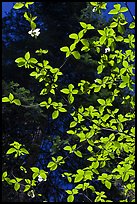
129 10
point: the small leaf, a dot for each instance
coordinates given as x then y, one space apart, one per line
68 148
11 97
5 99
24 150
33 25
73 124
113 11
17 102
16 186
11 150
27 187
78 153
73 36
108 184
33 60
70 98
123 9
70 198
101 101
55 114
78 178
43 103
76 54
64 49
18 5
35 169
83 25
20 59
113 25
122 85
27 56
65 91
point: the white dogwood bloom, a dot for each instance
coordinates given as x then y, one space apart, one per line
40 178
94 9
34 33
107 49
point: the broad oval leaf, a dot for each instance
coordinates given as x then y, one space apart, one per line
55 114
70 198
17 102
35 169
73 36
27 56
16 186
18 5
64 49
108 184
11 150
5 99
76 54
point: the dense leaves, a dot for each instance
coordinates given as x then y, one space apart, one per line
95 150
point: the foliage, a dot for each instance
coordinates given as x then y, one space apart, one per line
100 135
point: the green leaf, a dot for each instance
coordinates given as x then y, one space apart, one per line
70 98
16 186
18 5
101 102
95 164
73 46
119 38
62 109
27 187
73 124
108 184
73 36
113 25
27 56
64 49
68 148
11 97
35 169
11 150
78 153
70 198
17 102
97 88
5 99
24 151
43 103
33 25
78 178
83 25
101 32
113 11
4 174
122 85
65 91
20 59
102 39
105 117
123 9
132 25
55 114
76 54
33 60
117 6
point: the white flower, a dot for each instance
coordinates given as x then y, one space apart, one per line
40 178
34 33
94 9
107 49
31 194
